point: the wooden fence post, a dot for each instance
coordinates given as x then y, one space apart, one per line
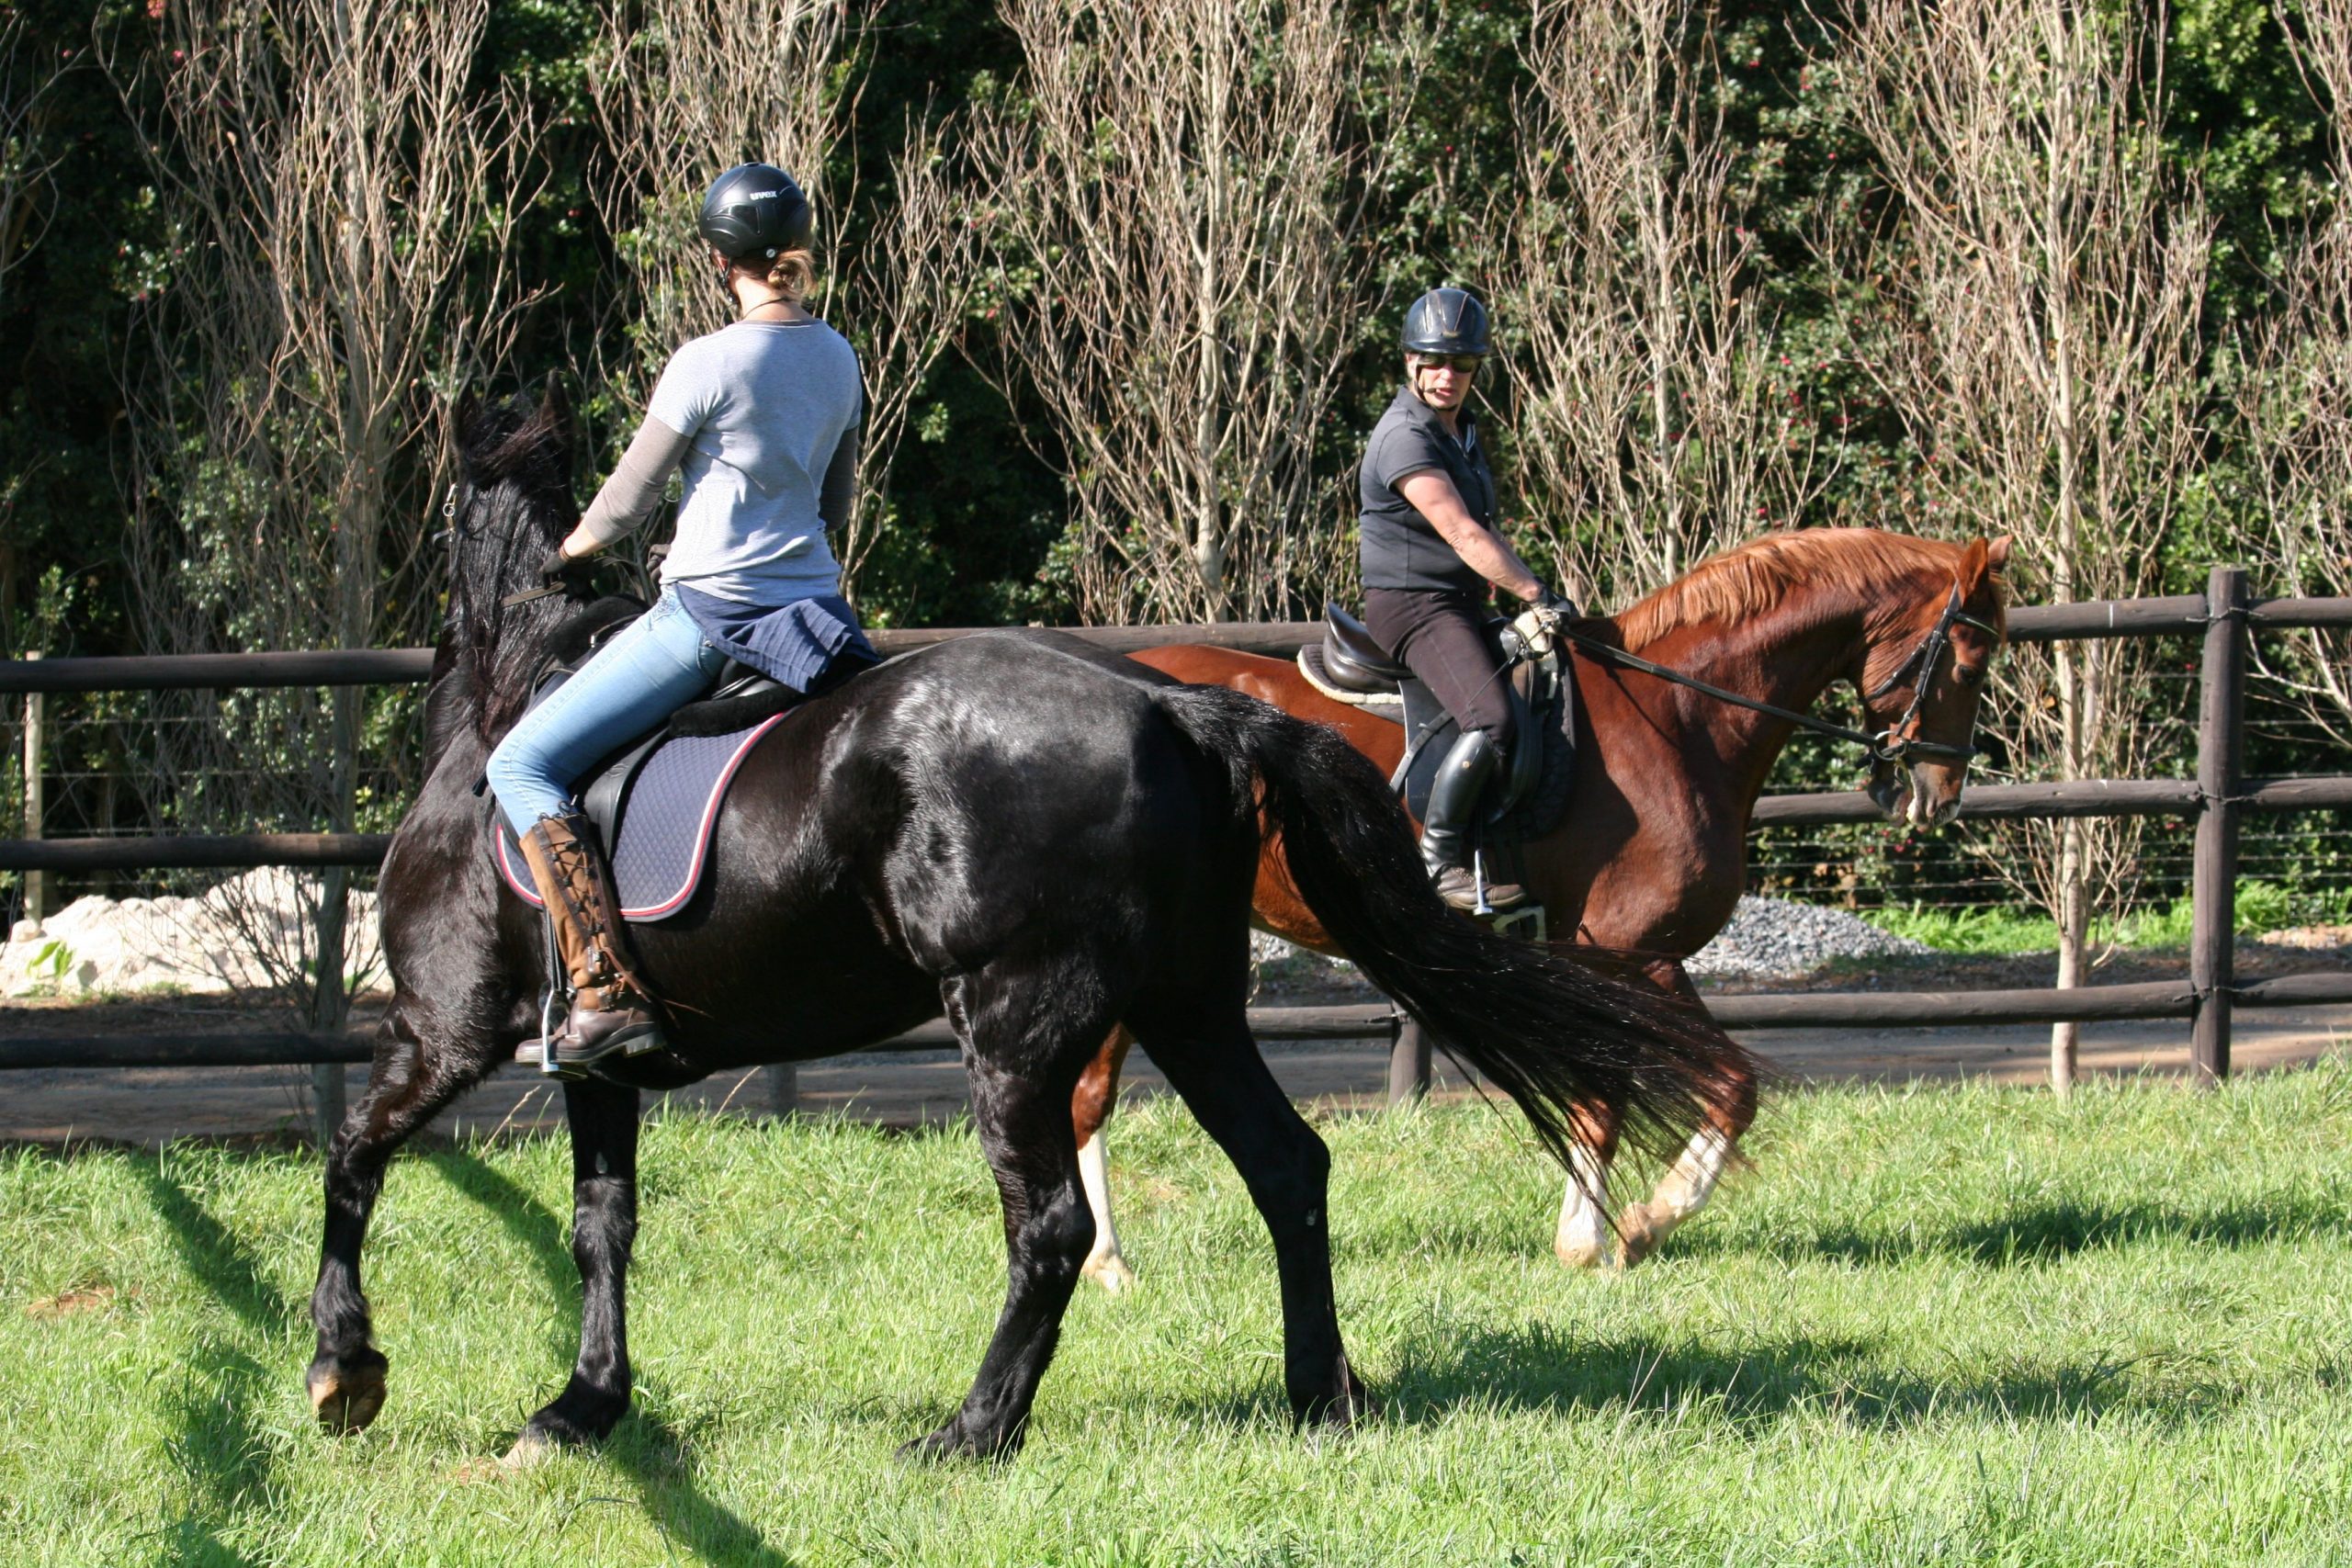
2220 720
36 882
784 1088
1408 1062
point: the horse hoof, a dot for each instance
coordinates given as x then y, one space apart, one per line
1111 1273
1641 1231
1341 1413
531 1450
951 1443
1582 1254
347 1397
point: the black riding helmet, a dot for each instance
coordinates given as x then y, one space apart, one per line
1445 322
755 209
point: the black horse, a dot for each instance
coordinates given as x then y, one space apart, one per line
1036 840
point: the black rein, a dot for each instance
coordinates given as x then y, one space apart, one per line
1888 745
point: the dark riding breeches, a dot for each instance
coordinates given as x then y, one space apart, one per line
1443 636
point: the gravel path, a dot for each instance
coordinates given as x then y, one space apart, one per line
1776 938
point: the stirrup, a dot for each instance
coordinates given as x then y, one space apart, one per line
1483 909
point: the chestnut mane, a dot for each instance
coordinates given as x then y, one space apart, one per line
1751 579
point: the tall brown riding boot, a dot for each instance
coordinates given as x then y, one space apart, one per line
613 1012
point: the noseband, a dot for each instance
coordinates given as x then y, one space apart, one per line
1889 745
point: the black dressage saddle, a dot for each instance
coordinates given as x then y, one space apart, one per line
1350 666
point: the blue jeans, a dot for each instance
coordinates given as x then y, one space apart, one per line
658 664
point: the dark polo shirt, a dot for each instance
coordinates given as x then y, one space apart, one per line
1400 548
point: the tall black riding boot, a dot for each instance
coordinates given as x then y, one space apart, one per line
1454 794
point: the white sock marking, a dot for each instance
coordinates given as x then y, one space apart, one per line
1686 1189
1094 1175
1583 1222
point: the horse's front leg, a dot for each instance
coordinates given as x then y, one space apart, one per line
1684 1189
409 1083
603 1119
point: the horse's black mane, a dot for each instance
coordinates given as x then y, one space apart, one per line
512 503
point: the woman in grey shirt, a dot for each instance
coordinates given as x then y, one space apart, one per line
762 417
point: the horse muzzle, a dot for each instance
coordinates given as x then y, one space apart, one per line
1921 796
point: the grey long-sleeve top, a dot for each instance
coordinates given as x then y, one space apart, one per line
762 418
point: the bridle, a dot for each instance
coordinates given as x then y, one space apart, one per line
1923 659
1894 744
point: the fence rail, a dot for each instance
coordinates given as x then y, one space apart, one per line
2222 617
2179 614
2087 797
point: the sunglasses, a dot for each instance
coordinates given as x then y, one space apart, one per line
1466 364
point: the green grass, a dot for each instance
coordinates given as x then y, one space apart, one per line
2004 930
1935 1327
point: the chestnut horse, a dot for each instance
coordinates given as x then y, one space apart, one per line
1651 854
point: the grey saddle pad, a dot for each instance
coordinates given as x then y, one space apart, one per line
666 811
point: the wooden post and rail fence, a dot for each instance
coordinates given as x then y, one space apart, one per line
2225 617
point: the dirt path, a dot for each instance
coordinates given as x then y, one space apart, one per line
148 1106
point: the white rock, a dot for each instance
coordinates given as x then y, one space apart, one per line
1780 937
206 944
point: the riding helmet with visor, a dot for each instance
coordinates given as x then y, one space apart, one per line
1444 322
756 210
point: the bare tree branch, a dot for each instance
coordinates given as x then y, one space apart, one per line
1178 212
1654 423
340 206
2049 278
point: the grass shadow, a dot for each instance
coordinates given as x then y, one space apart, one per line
191 1545
1541 1368
654 1458
220 1443
207 1249
533 1226
2049 1232
1553 1371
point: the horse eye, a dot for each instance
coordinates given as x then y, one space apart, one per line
1968 675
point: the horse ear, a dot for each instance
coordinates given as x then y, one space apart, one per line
1997 554
554 403
1972 564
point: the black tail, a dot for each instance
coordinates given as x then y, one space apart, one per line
1549 1033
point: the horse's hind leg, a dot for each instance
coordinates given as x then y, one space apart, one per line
603 1119
1021 1098
1213 1063
1090 1107
409 1084
1586 1232
1683 1191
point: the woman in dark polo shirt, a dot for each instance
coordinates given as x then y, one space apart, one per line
1431 552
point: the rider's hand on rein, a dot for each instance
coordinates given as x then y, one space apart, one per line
1535 624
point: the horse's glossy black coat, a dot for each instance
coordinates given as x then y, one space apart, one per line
1037 840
